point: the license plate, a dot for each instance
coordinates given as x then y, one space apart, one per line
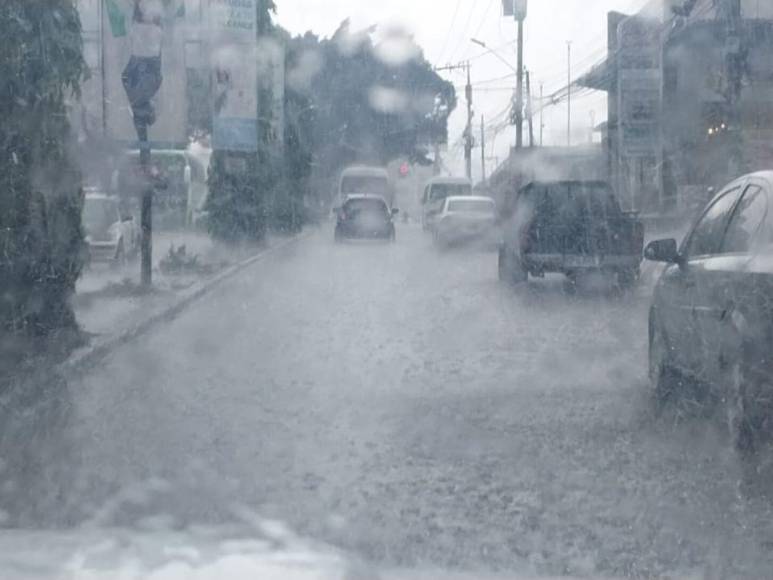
583 261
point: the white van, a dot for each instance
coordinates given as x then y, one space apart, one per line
362 180
435 193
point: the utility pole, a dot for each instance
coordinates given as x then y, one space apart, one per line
468 144
541 111
519 90
569 94
518 9
735 66
529 109
483 149
468 137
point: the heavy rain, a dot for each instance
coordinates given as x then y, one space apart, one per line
358 289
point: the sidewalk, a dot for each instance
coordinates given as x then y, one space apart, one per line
109 300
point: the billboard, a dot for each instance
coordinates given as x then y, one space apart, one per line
150 30
639 85
232 48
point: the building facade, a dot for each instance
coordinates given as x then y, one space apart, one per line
690 91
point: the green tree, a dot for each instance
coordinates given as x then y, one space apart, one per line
41 242
369 110
240 183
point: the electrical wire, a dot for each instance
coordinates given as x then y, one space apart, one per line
450 30
463 37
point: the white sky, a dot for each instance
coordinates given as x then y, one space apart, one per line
443 30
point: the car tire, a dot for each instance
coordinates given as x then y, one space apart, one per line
666 381
741 426
746 407
626 279
509 271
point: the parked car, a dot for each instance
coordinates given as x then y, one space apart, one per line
435 193
464 219
711 321
572 228
112 233
365 217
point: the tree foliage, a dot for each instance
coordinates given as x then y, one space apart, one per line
41 66
346 101
367 107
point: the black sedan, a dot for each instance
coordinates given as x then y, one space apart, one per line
365 217
711 322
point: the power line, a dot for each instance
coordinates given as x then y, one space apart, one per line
464 34
485 16
450 30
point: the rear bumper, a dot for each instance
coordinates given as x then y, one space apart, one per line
567 263
467 237
468 230
366 234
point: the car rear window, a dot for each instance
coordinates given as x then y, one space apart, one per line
566 202
362 184
471 206
444 190
368 205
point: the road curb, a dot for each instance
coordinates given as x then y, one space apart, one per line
87 357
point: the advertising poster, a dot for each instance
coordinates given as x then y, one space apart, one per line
149 34
233 42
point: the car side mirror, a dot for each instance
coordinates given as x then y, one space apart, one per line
395 211
127 218
663 251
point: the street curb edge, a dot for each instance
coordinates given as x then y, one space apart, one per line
86 358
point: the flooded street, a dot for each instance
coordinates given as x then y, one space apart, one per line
400 403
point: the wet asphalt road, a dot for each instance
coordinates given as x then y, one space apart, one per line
398 402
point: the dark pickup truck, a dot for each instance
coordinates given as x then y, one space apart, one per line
572 228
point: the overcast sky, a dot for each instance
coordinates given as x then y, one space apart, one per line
443 30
